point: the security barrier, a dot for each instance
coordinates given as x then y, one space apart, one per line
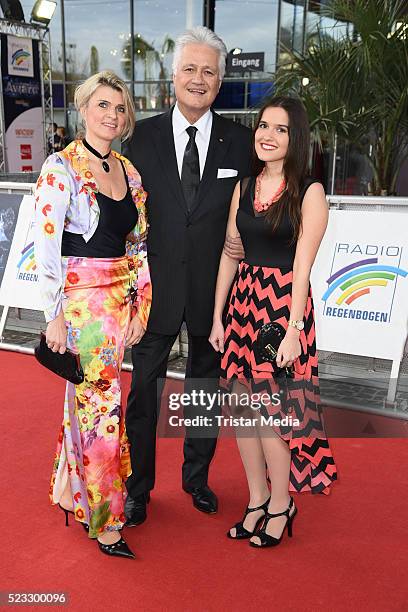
359 282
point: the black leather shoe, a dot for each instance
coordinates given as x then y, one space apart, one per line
118 549
203 498
135 509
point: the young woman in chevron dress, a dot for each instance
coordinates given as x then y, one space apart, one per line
281 217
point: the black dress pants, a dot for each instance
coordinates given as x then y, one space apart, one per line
149 359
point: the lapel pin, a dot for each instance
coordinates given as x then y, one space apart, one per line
221 140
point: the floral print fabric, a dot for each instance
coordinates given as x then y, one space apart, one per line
93 450
65 197
98 296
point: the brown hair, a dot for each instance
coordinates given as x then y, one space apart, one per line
295 164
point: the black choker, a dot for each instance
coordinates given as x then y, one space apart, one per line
105 164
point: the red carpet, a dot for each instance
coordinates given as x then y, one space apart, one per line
349 550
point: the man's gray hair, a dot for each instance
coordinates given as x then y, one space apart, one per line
200 35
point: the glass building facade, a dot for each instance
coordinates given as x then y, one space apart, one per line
92 35
135 38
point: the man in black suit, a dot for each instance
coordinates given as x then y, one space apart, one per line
189 159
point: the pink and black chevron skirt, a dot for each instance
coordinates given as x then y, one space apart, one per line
261 295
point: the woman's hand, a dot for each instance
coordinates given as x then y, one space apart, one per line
233 247
216 338
135 331
56 334
289 349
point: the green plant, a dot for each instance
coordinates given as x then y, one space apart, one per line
357 87
94 60
146 53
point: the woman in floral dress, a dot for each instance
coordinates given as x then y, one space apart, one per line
91 257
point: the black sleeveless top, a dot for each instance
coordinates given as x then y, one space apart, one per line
117 218
262 246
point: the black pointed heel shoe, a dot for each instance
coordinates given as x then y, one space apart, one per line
118 549
267 540
67 512
241 532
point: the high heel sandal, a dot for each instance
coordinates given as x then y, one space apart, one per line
118 549
241 533
67 512
267 540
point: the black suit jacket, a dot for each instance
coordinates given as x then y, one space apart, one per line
184 248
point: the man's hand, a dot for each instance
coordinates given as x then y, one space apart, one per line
216 338
135 332
233 247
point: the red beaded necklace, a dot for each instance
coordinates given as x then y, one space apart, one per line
262 206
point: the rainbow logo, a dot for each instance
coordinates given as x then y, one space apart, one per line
19 57
27 261
357 279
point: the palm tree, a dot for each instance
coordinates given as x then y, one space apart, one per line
94 60
167 47
356 89
146 53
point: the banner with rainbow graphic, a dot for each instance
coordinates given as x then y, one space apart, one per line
19 286
22 103
20 56
360 283
359 280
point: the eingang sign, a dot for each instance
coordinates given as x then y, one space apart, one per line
245 62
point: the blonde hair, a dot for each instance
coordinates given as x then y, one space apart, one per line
85 91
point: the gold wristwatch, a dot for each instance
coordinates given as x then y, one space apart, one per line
299 325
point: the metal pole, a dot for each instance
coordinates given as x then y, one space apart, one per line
47 125
43 69
64 64
209 13
3 320
189 14
132 48
294 26
304 37
3 152
278 35
393 382
333 176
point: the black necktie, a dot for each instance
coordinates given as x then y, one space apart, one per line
190 171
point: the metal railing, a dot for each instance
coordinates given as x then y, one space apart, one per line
21 328
32 323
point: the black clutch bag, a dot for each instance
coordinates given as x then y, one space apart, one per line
267 343
67 365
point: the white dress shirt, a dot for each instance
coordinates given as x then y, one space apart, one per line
203 125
